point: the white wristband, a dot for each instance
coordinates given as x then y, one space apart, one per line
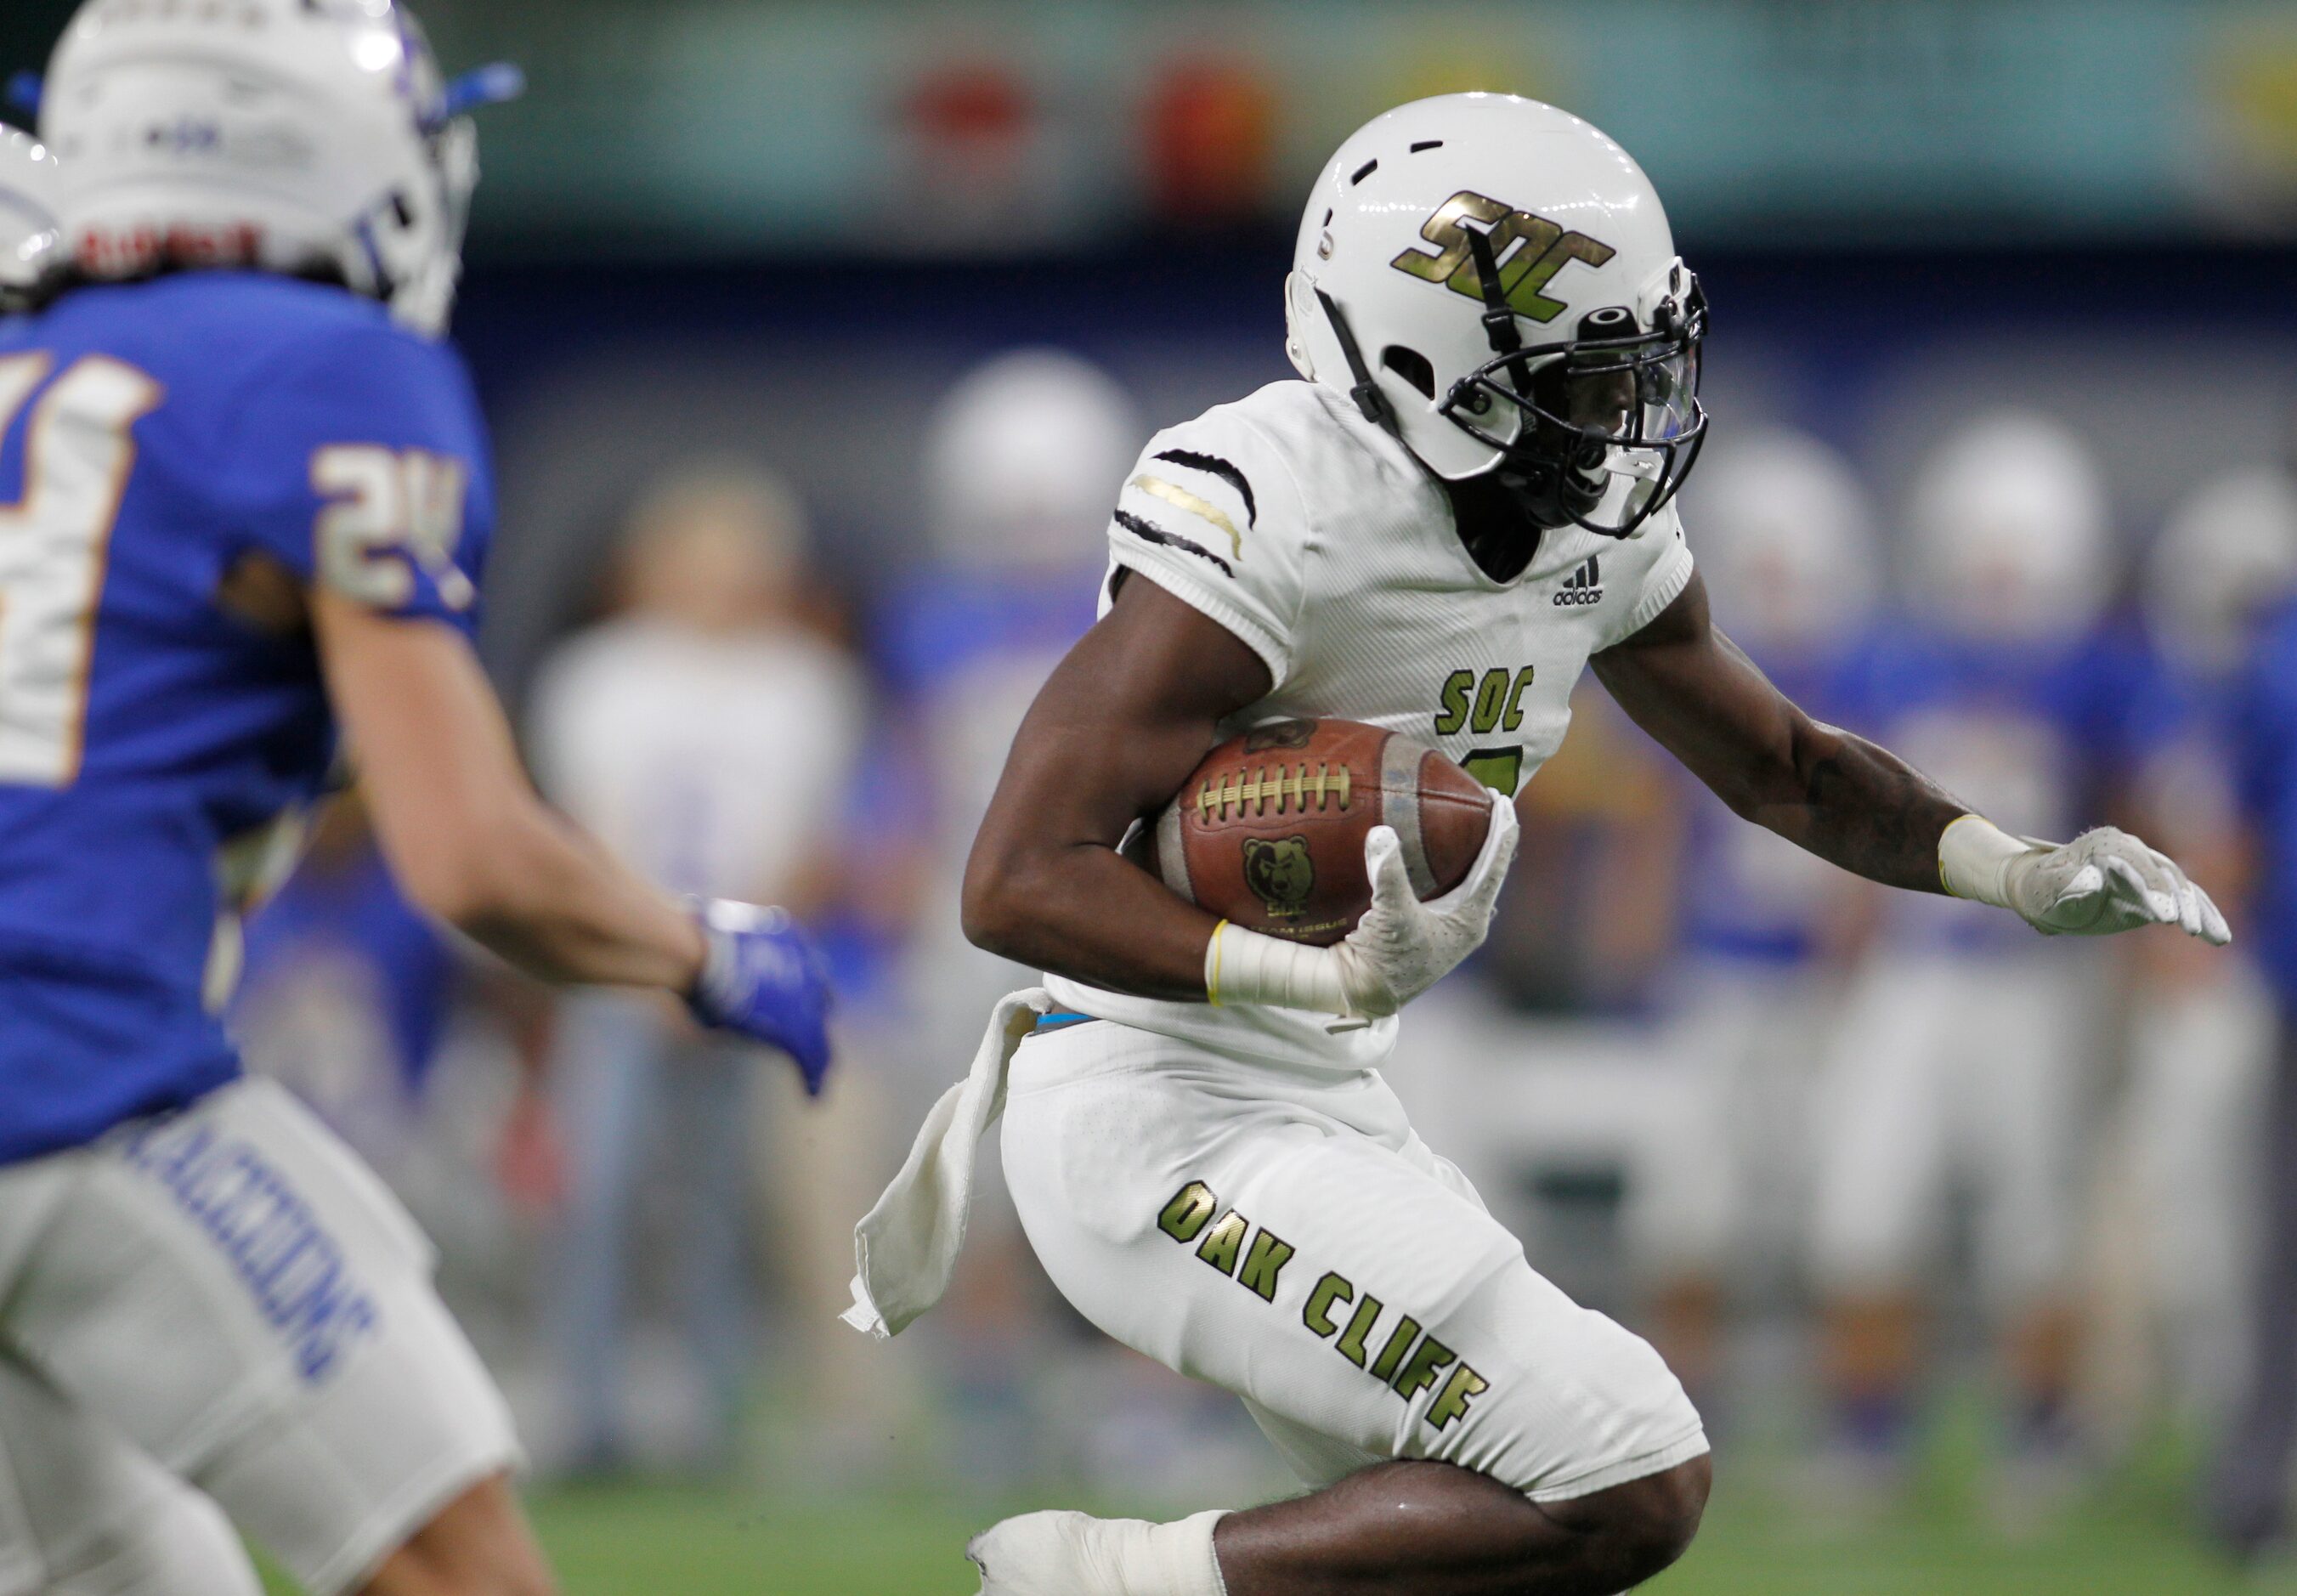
1244 966
1169 1560
1974 858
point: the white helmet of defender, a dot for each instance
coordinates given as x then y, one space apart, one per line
2012 541
288 135
2227 554
1494 281
1024 456
27 212
1787 538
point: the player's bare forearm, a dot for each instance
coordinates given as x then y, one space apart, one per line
1843 798
1113 733
1861 807
565 911
463 830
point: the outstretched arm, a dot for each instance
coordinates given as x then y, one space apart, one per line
1837 794
471 841
1861 807
465 832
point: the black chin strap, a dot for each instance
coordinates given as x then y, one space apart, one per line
1366 393
1499 316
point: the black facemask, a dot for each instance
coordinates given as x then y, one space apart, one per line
1555 480
1556 467
1557 463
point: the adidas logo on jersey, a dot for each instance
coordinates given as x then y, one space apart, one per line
1584 586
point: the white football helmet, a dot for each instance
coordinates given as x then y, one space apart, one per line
2013 539
2227 554
1494 281
1786 535
27 212
288 135
1022 458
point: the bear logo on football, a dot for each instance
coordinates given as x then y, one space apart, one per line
1279 873
1279 734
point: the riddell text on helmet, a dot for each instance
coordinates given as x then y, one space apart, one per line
123 251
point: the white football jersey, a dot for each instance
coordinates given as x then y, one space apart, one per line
1318 539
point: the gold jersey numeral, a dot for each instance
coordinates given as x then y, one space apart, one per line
79 449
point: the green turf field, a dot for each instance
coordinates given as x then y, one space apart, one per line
645 1540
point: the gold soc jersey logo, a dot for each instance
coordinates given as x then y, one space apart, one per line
1523 273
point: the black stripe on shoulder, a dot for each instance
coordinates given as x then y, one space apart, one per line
1148 531
1220 468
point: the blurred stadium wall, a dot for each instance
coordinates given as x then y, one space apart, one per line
788 227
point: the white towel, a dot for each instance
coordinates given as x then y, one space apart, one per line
906 1247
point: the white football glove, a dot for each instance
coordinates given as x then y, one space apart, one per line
2103 881
1400 949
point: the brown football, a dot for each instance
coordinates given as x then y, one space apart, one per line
1269 831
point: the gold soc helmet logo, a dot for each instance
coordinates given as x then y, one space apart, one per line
1523 273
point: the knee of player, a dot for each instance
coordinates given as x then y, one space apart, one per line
468 1572
478 1546
1650 1522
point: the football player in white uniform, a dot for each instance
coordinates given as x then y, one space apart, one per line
1468 500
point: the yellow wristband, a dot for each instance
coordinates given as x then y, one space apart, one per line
1212 966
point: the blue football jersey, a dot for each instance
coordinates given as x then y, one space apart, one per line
353 910
181 461
2029 736
2263 728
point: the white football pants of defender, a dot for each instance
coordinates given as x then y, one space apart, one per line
1951 1070
226 1299
2188 1151
1284 1234
1722 1170
83 1512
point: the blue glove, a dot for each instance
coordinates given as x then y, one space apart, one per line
763 978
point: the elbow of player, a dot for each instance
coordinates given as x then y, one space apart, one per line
480 881
468 897
994 908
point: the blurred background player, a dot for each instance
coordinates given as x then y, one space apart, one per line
346 995
1019 459
708 733
255 497
2248 1502
1955 1068
1793 554
2180 1150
